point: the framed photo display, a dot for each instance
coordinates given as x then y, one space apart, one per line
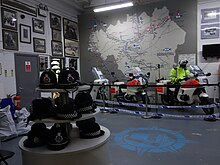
71 48
9 19
25 33
10 40
55 21
70 29
22 7
38 26
57 49
56 35
39 45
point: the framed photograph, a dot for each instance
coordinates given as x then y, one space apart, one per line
57 49
22 7
25 33
210 31
39 45
43 61
210 15
71 48
9 19
56 35
70 30
71 62
55 21
38 26
10 39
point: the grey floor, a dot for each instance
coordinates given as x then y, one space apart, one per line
166 141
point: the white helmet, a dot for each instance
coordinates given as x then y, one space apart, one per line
183 63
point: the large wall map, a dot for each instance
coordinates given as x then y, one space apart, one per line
143 36
141 41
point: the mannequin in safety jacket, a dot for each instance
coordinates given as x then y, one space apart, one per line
179 73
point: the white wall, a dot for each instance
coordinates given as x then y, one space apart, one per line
211 64
8 82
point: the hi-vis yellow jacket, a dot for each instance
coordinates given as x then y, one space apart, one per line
178 73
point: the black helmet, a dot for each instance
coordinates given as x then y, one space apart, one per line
67 79
48 79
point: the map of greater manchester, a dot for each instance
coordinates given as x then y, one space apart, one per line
140 41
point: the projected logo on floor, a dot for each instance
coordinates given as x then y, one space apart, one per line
153 140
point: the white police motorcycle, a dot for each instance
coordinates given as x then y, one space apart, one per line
190 92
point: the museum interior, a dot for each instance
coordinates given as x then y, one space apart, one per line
109 82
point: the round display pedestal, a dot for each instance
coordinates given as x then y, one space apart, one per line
79 151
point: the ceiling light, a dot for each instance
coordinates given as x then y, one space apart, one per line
112 7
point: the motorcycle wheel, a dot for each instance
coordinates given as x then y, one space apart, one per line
166 100
205 101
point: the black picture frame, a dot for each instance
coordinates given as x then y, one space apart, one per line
38 25
10 39
71 48
57 48
19 6
25 34
55 21
70 30
9 19
39 45
56 35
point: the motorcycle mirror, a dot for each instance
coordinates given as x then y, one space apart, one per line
208 74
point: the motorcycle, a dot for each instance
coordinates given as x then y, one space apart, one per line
133 94
98 90
190 92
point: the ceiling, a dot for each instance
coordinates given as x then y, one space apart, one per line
83 5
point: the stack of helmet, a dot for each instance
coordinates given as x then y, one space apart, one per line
67 78
67 111
55 138
89 129
41 108
48 79
37 136
84 103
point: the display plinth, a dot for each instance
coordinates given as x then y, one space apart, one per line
79 151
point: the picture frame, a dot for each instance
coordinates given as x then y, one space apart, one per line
19 6
38 25
9 19
71 48
70 30
55 21
57 48
25 34
210 31
43 61
56 35
39 45
10 39
210 15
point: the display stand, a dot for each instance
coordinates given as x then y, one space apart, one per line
78 151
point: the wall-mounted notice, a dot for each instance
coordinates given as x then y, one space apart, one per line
27 66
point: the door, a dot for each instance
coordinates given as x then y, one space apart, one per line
27 78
